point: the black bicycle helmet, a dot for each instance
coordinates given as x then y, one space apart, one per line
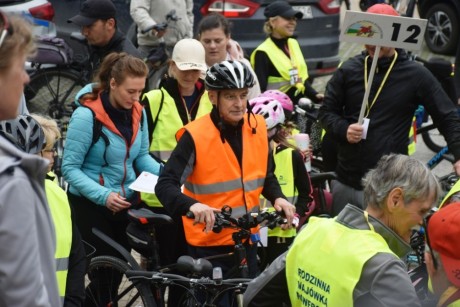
24 132
228 75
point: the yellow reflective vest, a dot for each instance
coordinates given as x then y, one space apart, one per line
168 123
283 64
325 262
60 212
285 175
455 189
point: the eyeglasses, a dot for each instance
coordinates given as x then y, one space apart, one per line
6 28
427 238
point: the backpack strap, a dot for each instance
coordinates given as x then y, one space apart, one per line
155 110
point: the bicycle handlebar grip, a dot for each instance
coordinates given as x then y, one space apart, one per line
158 27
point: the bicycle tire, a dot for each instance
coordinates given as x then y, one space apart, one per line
128 293
51 91
434 140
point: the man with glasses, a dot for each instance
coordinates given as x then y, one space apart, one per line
443 255
99 26
355 258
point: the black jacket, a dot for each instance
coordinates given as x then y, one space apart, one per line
409 84
118 43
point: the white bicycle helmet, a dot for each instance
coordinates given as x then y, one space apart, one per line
270 109
24 132
228 75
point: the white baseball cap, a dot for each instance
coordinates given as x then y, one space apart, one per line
188 54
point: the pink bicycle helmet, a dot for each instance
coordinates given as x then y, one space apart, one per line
271 109
284 99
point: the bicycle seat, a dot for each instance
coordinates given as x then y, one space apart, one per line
318 178
146 217
199 266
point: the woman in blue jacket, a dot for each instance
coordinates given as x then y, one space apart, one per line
106 147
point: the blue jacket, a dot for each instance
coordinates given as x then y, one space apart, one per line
94 171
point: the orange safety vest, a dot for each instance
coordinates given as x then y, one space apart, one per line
218 179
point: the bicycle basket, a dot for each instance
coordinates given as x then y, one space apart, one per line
52 50
140 240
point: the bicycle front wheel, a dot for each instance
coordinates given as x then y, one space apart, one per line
51 91
107 285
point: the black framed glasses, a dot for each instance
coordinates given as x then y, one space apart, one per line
427 238
6 29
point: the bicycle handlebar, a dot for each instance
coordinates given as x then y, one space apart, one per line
159 276
224 219
162 26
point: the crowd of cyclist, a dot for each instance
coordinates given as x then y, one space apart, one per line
219 131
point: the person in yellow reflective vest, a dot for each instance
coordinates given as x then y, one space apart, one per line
70 253
278 62
181 99
221 159
290 171
354 259
443 255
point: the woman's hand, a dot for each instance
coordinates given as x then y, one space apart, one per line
116 203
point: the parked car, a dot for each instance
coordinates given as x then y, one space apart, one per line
39 12
317 32
442 31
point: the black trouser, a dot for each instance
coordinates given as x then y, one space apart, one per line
87 216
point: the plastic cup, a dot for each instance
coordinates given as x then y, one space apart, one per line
303 141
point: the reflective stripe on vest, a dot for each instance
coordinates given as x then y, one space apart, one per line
60 212
325 262
412 147
218 179
283 64
285 175
169 121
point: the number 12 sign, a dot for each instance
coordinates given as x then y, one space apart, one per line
383 30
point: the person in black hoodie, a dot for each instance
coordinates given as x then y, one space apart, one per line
99 26
399 86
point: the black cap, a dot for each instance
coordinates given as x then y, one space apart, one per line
93 10
283 9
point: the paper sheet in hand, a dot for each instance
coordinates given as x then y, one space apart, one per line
146 182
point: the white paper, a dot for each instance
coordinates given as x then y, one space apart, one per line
146 182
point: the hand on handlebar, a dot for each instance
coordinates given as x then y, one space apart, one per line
158 33
289 211
204 215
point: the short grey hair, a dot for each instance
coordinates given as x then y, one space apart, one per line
399 171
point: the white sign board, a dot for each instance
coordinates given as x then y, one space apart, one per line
383 30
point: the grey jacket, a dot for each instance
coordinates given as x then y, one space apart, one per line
27 239
384 280
147 13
